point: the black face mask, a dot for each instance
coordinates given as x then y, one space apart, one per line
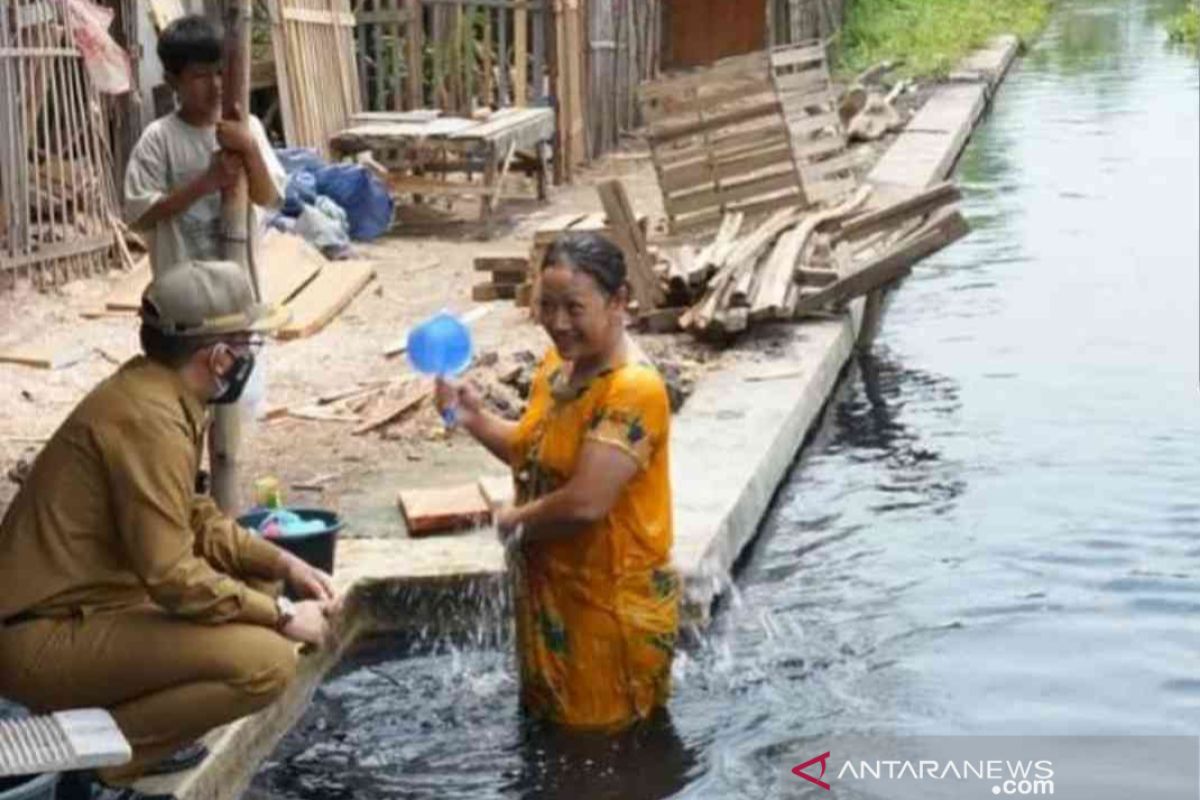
231 386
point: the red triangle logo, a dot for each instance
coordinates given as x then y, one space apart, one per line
799 772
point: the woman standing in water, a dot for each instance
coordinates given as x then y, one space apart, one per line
596 599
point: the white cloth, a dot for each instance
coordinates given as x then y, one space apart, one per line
169 154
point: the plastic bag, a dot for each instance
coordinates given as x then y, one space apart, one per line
323 232
365 199
301 191
297 159
106 63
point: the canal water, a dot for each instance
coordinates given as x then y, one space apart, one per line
994 531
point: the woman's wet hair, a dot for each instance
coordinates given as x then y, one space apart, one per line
592 254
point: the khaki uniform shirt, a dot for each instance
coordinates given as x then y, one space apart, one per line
108 517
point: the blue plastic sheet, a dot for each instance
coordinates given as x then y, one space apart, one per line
365 199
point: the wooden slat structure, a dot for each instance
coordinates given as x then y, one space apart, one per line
410 143
800 73
719 143
57 194
316 68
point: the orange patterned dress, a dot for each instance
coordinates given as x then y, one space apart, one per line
597 612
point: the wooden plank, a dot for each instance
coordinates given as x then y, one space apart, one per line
318 16
790 56
703 172
487 292
628 236
847 162
428 511
823 191
947 226
778 276
127 295
816 277
502 263
287 264
919 204
43 356
733 192
727 146
521 57
712 257
802 82
497 490
325 297
664 135
414 394
744 256
661 111
808 152
548 231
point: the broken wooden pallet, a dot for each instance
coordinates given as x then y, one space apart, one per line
800 74
719 143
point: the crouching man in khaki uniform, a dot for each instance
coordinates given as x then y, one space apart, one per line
122 588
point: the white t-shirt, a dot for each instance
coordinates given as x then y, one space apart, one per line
169 154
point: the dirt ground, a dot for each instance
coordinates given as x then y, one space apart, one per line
421 267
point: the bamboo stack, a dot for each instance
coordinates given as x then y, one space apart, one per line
57 188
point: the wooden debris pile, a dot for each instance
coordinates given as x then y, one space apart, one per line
799 263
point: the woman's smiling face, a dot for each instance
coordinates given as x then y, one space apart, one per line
576 314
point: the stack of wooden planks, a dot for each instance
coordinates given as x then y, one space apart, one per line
720 143
509 277
799 263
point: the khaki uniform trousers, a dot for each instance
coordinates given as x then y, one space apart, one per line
167 681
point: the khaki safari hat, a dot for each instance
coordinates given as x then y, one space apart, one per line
207 298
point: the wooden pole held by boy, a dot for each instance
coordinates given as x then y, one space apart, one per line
237 231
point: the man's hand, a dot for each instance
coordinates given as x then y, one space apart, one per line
309 625
234 134
308 581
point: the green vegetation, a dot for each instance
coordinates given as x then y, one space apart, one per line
1184 27
930 36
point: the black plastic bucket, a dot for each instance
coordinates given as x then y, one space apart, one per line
317 548
30 787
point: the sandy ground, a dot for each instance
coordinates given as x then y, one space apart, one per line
421 268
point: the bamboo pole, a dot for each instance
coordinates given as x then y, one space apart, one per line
225 434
